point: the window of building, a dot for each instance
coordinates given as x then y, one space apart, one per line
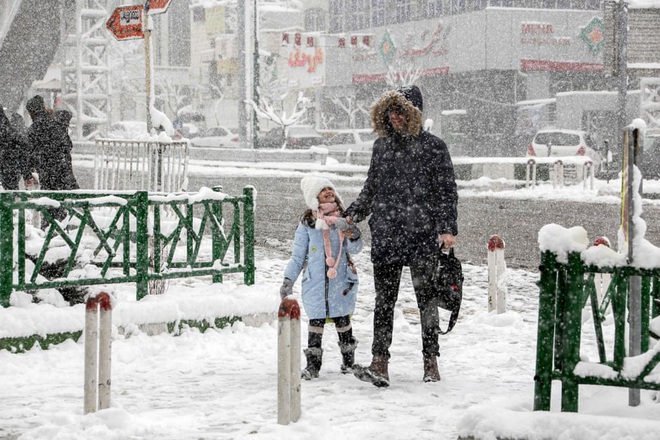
434 8
402 11
337 21
377 13
198 14
457 6
477 5
360 14
179 34
314 20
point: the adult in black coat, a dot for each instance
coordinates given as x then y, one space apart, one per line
51 151
14 155
51 148
410 193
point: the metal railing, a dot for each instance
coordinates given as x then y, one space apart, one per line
145 165
565 289
130 237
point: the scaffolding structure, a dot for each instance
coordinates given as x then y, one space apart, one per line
85 68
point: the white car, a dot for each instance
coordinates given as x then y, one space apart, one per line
562 142
216 137
355 140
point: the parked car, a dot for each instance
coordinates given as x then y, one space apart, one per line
187 131
563 142
299 136
126 130
355 140
216 137
650 164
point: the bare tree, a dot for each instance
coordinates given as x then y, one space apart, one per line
218 91
174 96
351 106
265 110
399 74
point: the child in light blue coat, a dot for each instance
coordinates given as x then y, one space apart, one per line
321 249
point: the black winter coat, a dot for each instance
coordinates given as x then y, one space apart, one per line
51 147
410 191
411 195
14 155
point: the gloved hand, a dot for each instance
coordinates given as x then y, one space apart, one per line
341 224
349 229
353 232
287 288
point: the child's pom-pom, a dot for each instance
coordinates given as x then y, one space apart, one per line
332 273
330 261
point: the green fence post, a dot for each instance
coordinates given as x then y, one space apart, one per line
619 300
655 296
6 248
142 244
545 332
248 234
216 244
573 329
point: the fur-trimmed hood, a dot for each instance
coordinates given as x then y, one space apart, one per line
380 118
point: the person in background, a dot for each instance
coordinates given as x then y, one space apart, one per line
321 247
51 147
14 157
64 118
410 193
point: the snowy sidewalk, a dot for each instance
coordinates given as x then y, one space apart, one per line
222 384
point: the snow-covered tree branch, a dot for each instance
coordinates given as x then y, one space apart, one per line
265 110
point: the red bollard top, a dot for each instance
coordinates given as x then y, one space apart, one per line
495 242
105 301
602 240
100 300
289 307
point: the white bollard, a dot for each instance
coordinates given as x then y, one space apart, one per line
98 352
602 280
559 174
588 174
530 175
288 362
496 281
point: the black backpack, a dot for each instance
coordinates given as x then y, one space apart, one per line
448 285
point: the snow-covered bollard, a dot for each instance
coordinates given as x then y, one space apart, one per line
496 280
530 175
559 174
588 174
98 352
288 361
602 280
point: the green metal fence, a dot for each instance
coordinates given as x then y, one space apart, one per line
130 237
565 289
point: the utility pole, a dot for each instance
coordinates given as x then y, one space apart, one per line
622 67
242 80
255 68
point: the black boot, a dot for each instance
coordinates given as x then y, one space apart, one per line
348 355
314 357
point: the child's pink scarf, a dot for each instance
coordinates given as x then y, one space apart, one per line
326 216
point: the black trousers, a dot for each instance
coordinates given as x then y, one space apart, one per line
387 278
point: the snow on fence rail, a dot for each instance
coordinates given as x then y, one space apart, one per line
123 237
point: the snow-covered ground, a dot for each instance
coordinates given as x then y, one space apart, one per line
222 384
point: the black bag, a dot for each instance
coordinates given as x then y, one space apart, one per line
448 284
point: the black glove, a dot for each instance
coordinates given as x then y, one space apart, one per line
287 288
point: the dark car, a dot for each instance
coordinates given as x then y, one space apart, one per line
299 136
650 164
